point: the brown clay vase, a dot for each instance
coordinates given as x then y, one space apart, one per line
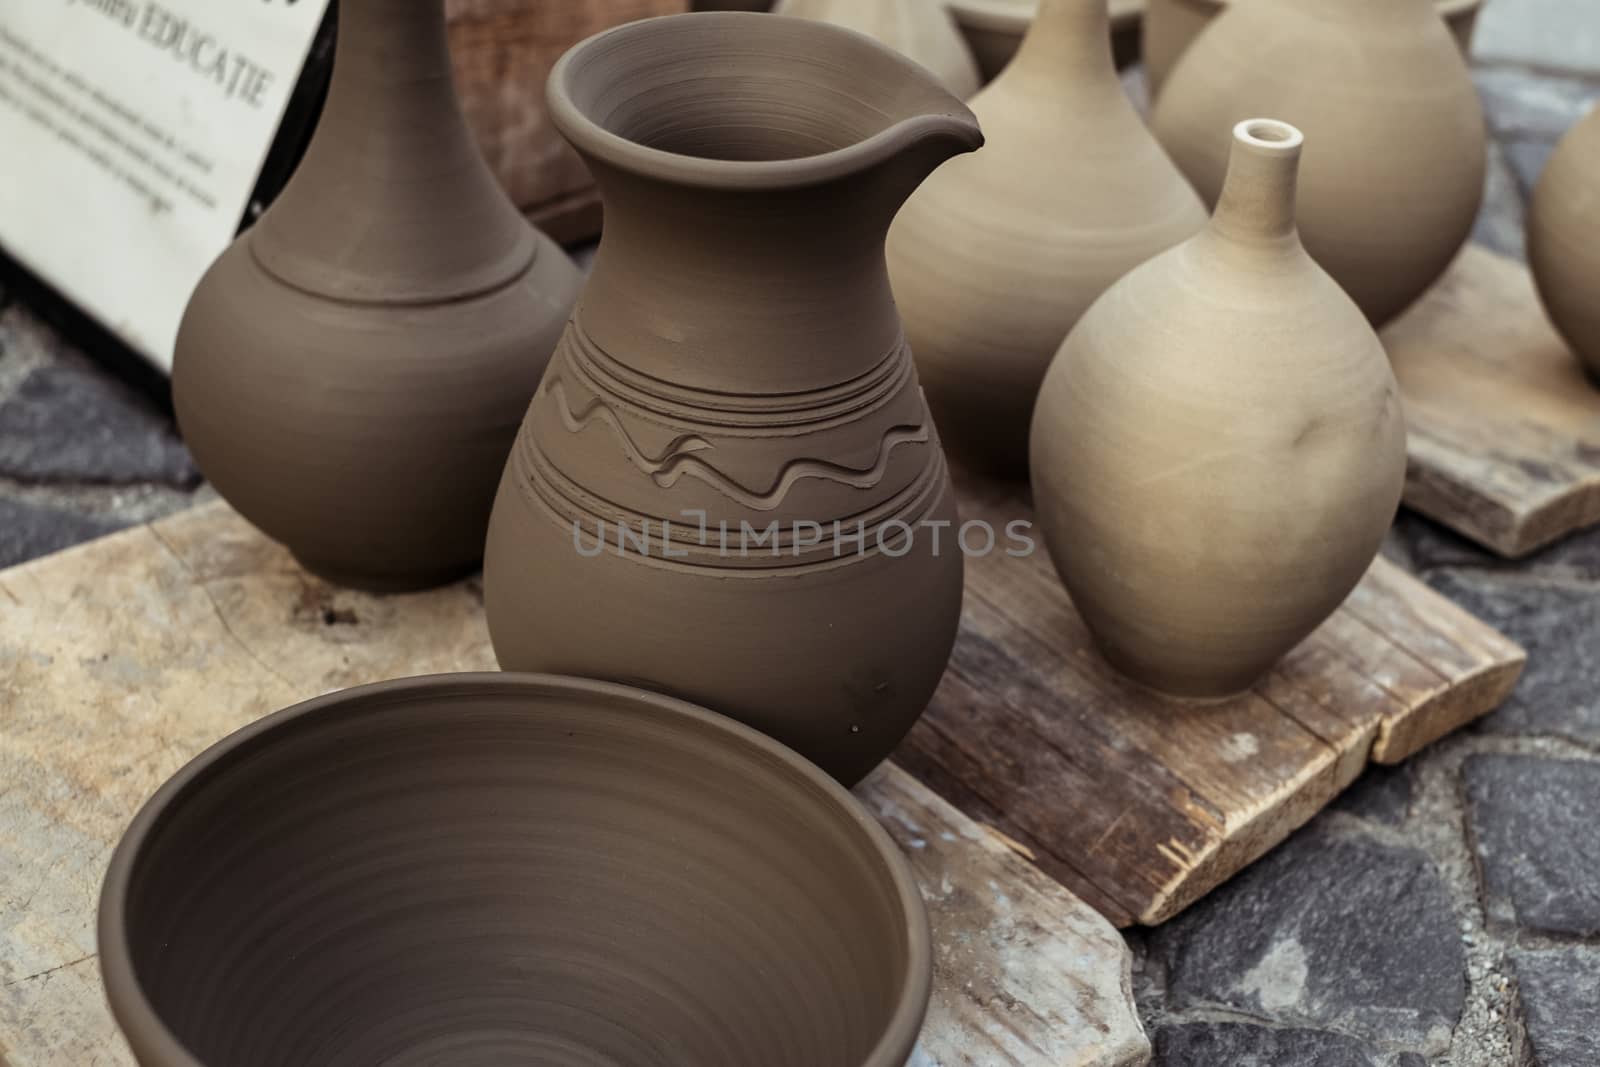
1219 447
488 870
994 29
1564 240
350 374
997 256
1392 185
921 29
1170 27
735 392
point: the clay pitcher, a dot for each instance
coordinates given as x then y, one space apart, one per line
735 392
924 30
1219 447
1393 184
351 373
998 255
1564 240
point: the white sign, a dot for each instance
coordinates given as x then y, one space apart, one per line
132 133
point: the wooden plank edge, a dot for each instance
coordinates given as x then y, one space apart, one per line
1464 700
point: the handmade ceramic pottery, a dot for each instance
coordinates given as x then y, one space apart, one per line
481 870
1219 448
1170 27
731 5
1392 187
1564 240
351 373
920 29
995 258
736 395
994 29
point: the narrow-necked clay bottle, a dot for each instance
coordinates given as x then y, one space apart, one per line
924 30
1564 240
350 374
1393 183
997 255
1219 447
735 391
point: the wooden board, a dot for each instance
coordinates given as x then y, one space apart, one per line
122 659
1140 805
1504 425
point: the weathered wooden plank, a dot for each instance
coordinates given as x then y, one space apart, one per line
1504 424
122 659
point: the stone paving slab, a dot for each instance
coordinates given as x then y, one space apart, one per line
1561 999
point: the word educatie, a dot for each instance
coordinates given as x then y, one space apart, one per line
238 76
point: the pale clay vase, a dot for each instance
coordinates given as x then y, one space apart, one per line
923 30
1219 448
736 366
1564 240
351 373
1170 27
998 254
1394 176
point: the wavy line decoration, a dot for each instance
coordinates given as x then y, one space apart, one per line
680 459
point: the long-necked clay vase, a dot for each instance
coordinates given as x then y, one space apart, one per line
924 30
994 29
493 870
995 258
1219 447
1170 27
1564 240
735 390
1393 183
351 373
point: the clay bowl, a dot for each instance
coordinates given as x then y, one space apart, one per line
995 28
497 869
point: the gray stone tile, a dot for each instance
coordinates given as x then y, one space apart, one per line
1326 932
1381 795
1243 1045
1527 160
28 531
1560 994
1527 105
1424 545
1533 829
1502 222
1553 34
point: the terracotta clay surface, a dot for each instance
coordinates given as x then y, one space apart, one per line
995 28
997 256
481 869
1219 448
918 29
123 659
1170 27
350 374
1392 185
736 392
1564 240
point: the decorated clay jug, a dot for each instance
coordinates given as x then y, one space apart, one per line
1219 447
351 373
1564 240
997 255
728 487
1170 27
1393 184
921 29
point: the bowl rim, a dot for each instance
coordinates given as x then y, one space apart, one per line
153 1043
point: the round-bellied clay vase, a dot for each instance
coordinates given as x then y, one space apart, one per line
350 374
996 257
1170 27
1564 240
486 870
724 485
924 31
1392 186
994 29
1219 447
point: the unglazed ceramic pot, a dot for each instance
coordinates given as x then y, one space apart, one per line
1219 448
350 374
994 29
482 870
920 29
1393 183
735 390
1170 27
731 5
1564 240
997 255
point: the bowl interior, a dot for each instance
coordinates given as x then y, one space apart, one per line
502 873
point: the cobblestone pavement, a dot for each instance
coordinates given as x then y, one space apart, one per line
1446 912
